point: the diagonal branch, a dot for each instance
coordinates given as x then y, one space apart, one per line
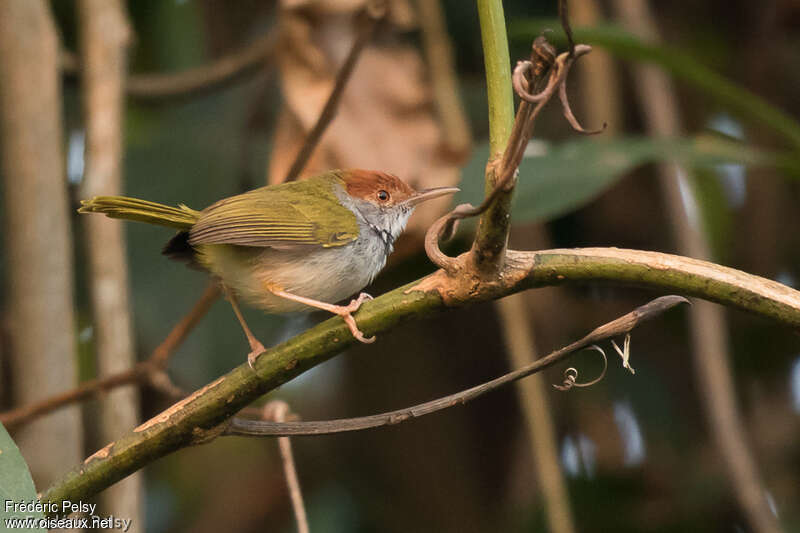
278 411
149 371
615 328
197 418
192 81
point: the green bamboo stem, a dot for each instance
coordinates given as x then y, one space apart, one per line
494 224
498 73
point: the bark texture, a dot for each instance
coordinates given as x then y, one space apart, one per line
39 272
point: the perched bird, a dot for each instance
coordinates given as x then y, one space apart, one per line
292 246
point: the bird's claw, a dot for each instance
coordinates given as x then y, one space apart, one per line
354 305
345 311
357 333
256 349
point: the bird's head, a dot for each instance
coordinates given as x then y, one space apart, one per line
385 201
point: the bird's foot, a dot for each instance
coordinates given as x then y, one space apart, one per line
256 349
345 311
353 306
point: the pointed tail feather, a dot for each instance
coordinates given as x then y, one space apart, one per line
180 217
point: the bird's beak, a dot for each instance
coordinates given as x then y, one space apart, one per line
429 194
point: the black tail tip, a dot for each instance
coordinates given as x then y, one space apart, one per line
178 248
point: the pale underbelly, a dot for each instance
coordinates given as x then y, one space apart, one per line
325 274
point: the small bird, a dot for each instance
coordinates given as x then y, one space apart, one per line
288 247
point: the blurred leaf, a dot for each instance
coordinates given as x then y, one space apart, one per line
16 484
628 46
569 175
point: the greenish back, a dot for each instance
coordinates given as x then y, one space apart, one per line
304 212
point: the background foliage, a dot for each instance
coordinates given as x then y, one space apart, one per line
636 450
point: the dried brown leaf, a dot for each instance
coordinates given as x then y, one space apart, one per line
386 119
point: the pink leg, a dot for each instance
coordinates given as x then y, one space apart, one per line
344 311
256 348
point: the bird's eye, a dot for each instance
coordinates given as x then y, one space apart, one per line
383 195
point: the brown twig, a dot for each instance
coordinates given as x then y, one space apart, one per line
278 411
28 413
149 371
620 326
543 68
182 329
563 15
374 12
198 80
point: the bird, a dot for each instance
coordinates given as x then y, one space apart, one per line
289 247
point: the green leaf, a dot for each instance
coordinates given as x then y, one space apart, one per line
571 174
624 44
16 484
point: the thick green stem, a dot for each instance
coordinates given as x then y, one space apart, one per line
498 73
193 420
492 234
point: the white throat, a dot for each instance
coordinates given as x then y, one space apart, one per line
383 223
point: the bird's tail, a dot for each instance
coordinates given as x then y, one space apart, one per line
180 217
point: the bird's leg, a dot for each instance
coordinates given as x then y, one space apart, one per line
256 348
344 311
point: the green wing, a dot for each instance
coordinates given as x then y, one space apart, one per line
279 215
